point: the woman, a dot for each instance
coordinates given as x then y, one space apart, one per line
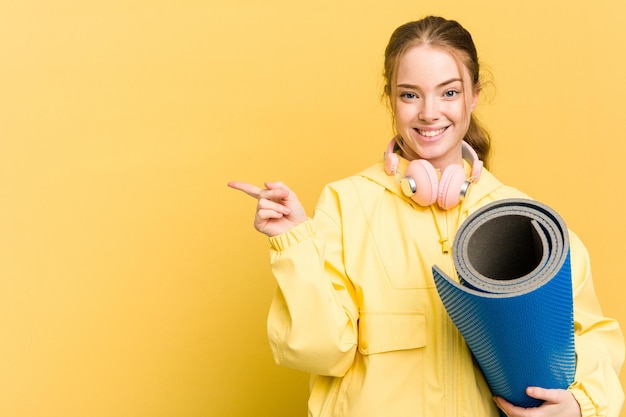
356 304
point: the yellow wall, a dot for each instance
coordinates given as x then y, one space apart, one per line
131 280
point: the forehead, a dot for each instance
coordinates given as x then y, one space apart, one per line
424 64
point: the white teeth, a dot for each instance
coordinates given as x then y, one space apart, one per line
431 133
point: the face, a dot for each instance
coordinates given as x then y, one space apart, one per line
432 105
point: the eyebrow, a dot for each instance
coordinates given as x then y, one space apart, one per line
443 84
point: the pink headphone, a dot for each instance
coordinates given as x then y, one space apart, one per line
421 183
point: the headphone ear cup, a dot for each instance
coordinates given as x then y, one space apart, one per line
423 189
450 184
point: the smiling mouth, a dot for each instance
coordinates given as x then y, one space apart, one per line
431 133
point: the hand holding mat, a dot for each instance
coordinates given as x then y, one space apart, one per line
513 302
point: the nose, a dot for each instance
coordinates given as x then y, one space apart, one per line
429 110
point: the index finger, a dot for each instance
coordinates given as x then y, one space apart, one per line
250 189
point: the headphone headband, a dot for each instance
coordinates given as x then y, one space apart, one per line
470 155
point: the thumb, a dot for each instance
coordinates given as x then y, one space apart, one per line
547 395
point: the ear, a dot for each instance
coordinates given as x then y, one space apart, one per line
391 104
475 98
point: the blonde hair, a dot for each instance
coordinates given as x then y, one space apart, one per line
450 36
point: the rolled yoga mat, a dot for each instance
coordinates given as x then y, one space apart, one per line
513 302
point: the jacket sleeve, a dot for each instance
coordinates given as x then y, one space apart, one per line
599 344
312 323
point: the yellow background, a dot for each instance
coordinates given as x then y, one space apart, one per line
132 283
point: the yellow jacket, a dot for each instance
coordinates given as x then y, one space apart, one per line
356 306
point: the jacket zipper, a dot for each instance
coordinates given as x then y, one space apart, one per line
444 222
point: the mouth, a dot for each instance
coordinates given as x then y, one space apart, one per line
431 133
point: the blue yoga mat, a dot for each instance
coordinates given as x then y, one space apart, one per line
513 301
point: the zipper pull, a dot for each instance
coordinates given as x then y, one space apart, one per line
445 245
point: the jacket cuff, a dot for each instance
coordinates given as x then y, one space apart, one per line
587 407
293 236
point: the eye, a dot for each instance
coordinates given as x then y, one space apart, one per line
407 95
451 93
